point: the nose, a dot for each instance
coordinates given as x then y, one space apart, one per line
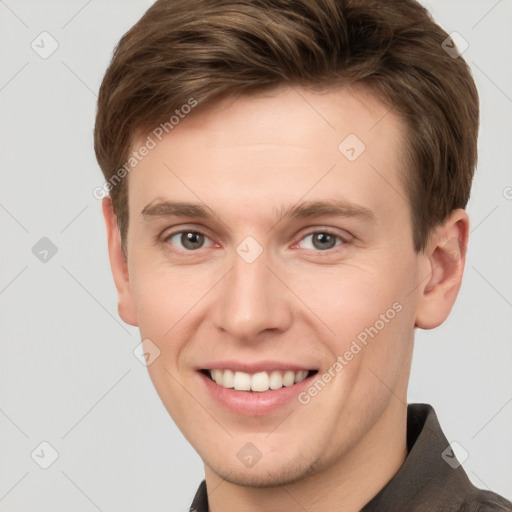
251 299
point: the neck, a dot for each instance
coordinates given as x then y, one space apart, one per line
347 484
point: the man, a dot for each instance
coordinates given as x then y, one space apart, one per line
287 188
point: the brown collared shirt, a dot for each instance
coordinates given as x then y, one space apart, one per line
430 479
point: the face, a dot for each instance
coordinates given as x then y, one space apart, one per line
271 262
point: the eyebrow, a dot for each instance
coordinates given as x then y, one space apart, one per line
334 207
306 209
178 209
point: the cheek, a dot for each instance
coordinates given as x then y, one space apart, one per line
162 296
171 304
346 299
368 317
154 304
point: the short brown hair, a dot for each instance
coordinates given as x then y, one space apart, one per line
205 49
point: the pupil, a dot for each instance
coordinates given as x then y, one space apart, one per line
192 240
326 241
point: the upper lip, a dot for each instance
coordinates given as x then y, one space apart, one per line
260 366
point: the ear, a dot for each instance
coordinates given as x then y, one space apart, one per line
119 265
445 257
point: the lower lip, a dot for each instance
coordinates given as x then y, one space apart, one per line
254 403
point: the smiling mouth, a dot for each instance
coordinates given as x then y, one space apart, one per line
258 382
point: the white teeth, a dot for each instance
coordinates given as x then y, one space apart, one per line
300 376
259 382
276 380
228 379
289 378
217 376
242 381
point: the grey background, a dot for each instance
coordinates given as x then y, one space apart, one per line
67 372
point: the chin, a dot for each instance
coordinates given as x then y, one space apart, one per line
266 476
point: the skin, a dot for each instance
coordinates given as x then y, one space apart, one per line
246 159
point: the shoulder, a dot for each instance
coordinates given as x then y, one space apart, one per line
485 501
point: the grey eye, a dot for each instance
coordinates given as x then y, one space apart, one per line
322 240
189 240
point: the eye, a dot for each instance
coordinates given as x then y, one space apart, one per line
322 240
189 240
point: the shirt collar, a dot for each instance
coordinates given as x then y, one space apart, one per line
430 475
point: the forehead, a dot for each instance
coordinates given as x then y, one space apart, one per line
269 150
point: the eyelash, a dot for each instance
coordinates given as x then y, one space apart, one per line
344 240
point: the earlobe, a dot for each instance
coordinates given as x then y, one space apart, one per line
445 258
118 265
